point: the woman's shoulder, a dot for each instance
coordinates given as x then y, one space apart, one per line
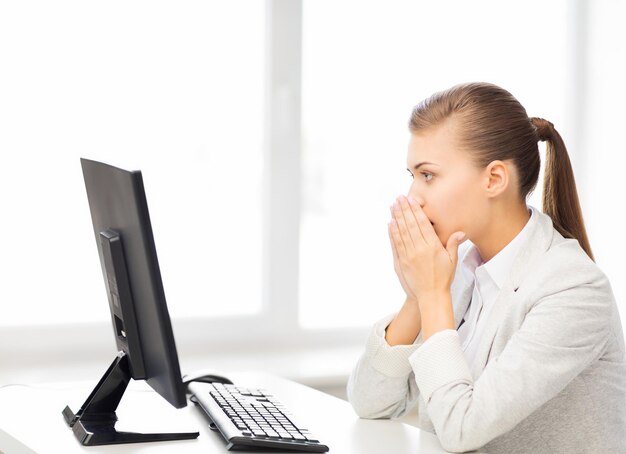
565 255
565 266
567 287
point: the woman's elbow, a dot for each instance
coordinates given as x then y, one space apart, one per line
361 404
454 446
373 399
456 442
364 411
368 411
370 407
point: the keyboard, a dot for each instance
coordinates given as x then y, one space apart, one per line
252 418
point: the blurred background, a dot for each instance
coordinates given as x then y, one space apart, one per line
272 138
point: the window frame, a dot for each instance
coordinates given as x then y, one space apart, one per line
276 326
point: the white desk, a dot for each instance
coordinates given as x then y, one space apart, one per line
31 421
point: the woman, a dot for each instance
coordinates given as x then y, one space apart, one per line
511 343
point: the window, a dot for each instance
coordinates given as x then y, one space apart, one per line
365 64
172 89
180 91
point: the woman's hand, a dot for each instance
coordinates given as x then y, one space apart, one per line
424 266
396 266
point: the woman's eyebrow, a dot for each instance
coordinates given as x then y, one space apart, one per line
417 166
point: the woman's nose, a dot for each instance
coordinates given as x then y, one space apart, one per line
417 198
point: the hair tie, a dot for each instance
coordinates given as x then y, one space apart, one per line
543 127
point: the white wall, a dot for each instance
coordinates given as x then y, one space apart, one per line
112 79
604 185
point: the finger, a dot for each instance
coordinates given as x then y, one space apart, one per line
396 239
427 229
411 222
394 252
402 230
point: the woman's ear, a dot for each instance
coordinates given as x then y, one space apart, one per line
497 178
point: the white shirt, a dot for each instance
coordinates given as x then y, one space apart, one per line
488 278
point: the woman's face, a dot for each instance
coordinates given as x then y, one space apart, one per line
449 188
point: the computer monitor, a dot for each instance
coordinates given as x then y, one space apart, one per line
139 315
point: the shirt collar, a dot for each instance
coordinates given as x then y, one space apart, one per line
499 266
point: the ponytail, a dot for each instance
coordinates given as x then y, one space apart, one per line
493 125
560 198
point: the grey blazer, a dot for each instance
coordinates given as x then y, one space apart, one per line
550 370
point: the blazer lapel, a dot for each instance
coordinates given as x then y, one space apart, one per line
461 291
462 302
536 244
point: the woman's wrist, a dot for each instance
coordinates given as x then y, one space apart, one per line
411 301
436 313
406 326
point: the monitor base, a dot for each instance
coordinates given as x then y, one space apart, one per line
94 423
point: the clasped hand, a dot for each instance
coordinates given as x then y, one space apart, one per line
424 266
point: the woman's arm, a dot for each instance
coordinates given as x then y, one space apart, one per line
405 327
561 336
382 384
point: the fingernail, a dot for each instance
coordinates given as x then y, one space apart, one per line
412 201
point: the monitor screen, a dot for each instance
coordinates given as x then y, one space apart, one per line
139 315
140 318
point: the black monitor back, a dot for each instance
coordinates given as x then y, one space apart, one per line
119 212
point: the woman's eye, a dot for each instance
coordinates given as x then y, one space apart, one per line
426 174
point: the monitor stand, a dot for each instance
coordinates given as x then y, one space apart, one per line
94 424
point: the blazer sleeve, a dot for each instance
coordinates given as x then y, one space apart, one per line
382 383
562 334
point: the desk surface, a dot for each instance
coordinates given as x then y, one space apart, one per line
31 421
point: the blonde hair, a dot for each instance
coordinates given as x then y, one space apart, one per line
492 125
